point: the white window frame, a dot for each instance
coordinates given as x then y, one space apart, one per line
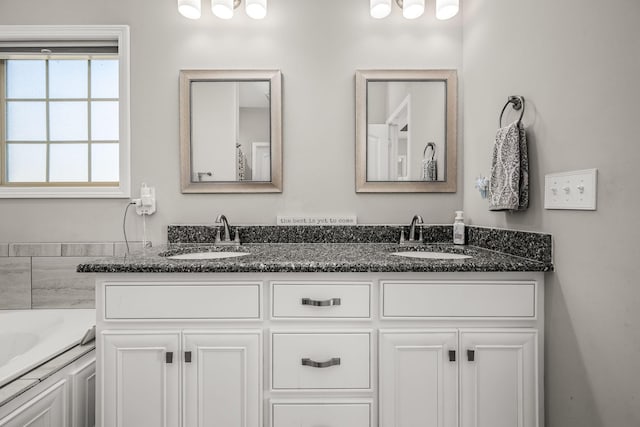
119 33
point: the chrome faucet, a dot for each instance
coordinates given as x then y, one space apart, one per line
416 220
221 219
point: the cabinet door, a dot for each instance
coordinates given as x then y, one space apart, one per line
418 378
141 385
499 380
222 378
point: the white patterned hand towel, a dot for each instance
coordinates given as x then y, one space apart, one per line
509 185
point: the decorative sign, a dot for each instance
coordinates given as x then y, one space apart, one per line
317 220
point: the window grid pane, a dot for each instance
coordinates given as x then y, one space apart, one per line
71 126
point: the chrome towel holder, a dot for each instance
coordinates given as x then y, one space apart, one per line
517 101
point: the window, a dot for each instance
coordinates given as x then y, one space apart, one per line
64 111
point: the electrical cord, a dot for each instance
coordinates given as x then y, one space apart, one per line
124 222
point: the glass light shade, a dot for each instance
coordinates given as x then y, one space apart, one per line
446 9
413 9
189 8
222 8
256 9
380 8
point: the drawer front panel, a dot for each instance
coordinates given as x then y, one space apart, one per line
458 299
321 300
321 361
325 415
181 301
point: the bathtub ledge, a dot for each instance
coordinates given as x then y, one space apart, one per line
35 376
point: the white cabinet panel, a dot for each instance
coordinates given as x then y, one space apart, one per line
142 385
83 401
222 378
48 409
320 415
458 299
418 378
321 300
182 301
499 387
343 358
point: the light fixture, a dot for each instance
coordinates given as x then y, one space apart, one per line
223 9
412 9
256 9
189 8
380 8
446 9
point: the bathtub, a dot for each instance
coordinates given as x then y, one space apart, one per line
29 338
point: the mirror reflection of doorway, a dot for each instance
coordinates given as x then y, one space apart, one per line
260 161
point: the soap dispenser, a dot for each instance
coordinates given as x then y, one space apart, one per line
458 229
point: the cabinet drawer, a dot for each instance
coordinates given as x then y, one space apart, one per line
321 414
321 360
182 301
458 299
320 300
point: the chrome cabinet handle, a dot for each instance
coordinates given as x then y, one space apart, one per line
326 303
331 362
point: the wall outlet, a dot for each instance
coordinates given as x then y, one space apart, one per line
571 190
146 204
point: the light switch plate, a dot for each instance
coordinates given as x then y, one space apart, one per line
571 190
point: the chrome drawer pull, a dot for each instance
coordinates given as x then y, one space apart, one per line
331 362
325 303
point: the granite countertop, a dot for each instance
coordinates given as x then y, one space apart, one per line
315 257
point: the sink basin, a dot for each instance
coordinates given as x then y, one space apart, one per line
431 255
208 255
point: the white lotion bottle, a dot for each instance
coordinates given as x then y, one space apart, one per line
458 229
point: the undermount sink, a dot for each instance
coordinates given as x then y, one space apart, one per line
430 255
208 255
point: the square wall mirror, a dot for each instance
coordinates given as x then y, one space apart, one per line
406 122
231 131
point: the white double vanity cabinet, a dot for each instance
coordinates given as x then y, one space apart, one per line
320 349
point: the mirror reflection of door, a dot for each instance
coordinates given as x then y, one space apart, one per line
402 117
261 161
227 118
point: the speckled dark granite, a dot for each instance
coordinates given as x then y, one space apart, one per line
307 234
314 257
536 246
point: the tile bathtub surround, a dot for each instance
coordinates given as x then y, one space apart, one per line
87 249
55 283
307 234
43 275
35 249
15 283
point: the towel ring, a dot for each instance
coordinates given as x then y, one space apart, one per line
518 104
431 145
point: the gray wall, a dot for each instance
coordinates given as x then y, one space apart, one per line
318 45
577 64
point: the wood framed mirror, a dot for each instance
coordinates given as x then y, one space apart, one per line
231 131
406 126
